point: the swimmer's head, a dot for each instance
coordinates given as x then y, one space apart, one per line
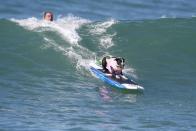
48 16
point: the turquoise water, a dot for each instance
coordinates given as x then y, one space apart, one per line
45 83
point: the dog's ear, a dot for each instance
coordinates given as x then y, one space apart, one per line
123 60
119 61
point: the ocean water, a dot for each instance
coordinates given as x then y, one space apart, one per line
45 82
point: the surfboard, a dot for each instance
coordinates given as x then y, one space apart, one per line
121 83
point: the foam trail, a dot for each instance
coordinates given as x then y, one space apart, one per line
82 60
106 41
100 30
102 27
54 45
66 26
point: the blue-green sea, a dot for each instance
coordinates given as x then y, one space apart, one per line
45 82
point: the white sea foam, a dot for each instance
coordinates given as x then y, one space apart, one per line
163 17
51 43
193 15
81 58
100 30
65 26
101 27
106 41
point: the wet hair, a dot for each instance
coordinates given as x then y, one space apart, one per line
50 13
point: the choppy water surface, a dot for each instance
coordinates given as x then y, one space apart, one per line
45 83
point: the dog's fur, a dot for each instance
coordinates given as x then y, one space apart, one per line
120 62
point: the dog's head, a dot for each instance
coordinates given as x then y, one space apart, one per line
120 62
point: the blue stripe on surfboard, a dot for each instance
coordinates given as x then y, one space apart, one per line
105 78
